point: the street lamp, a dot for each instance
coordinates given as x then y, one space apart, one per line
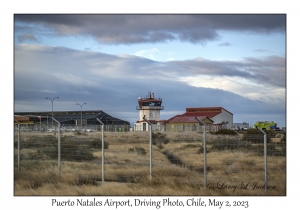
81 112
52 107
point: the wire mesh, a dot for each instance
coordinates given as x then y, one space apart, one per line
234 159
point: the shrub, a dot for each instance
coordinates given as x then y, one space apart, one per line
230 144
226 132
166 141
189 146
158 138
79 133
37 142
283 139
201 150
256 136
273 149
97 143
70 150
138 150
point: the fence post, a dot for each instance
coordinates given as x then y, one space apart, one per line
150 130
204 149
58 145
18 145
102 131
265 159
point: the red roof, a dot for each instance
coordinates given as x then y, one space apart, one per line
184 118
208 108
206 114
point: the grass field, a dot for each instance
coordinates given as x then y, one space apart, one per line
177 166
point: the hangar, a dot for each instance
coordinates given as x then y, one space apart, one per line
73 118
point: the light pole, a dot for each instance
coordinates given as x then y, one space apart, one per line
52 107
81 112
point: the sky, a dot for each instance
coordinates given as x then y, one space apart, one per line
234 61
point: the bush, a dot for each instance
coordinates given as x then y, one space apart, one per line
230 144
226 132
190 146
256 136
97 144
70 150
138 150
283 139
201 150
79 133
38 142
158 138
273 149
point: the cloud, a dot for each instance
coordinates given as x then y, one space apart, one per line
147 53
269 70
135 29
225 44
48 91
27 37
113 83
74 80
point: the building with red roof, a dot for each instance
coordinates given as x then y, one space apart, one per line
218 114
149 111
186 123
211 116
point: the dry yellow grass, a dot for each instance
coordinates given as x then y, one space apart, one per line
127 173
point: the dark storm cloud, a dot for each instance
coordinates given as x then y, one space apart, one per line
27 37
129 29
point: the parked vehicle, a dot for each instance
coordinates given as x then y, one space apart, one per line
267 125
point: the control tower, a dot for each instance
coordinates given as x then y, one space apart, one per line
150 108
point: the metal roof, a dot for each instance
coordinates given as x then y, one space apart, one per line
187 119
213 107
199 114
64 116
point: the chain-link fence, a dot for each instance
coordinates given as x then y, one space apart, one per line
43 128
184 127
235 163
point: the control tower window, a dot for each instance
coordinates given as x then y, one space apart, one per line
151 103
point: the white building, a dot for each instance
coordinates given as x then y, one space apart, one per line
219 115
